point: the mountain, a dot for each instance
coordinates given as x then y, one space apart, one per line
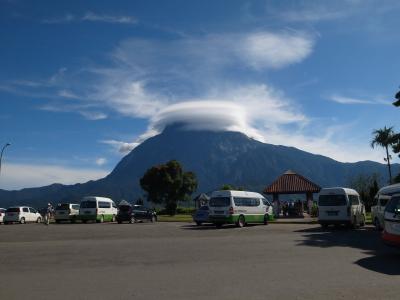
217 158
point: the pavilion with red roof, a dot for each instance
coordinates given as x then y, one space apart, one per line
292 183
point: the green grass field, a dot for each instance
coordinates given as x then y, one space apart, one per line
176 218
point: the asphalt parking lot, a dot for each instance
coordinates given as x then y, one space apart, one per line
182 261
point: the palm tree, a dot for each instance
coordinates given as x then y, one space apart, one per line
385 138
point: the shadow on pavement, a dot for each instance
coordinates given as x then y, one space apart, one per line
382 259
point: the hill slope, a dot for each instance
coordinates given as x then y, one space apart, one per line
216 157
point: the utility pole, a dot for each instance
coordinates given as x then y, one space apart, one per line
1 154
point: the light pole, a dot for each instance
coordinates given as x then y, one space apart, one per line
1 154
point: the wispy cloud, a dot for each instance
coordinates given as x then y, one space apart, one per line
85 110
121 147
18 176
92 17
351 100
101 161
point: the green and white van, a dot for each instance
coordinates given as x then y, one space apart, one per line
97 209
239 207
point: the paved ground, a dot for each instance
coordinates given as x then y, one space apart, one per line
180 261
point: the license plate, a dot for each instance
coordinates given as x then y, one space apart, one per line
332 213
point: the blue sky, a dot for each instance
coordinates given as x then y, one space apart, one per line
84 82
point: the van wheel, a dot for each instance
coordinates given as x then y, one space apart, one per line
198 223
132 220
84 221
39 220
153 219
241 222
377 224
266 218
354 225
113 218
362 223
22 221
101 219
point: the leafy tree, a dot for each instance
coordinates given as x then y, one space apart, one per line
397 102
168 184
384 137
226 187
367 186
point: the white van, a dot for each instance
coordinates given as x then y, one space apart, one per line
391 232
340 206
97 209
239 207
379 204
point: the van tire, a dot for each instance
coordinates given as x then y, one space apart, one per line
241 222
113 219
153 219
39 220
22 221
354 224
84 221
198 223
266 218
362 223
377 224
132 220
101 219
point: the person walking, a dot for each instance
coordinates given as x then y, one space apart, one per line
49 213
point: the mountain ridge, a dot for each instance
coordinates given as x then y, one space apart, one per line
216 157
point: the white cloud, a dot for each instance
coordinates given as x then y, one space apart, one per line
101 161
121 147
351 100
92 17
93 115
16 176
265 49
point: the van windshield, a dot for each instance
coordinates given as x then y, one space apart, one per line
88 204
394 205
332 200
220 201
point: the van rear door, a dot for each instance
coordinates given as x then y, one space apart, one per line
333 207
392 216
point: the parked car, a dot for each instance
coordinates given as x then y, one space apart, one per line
391 231
340 206
201 215
135 213
66 212
2 213
97 209
380 201
125 213
22 214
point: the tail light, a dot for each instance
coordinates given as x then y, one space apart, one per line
231 210
348 211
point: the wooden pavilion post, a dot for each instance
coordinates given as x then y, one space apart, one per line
277 204
309 196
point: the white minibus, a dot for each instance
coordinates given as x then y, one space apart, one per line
340 205
239 207
98 209
379 204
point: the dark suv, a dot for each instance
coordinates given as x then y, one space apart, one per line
135 213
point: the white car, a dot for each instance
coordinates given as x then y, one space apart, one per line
391 230
22 214
2 213
66 212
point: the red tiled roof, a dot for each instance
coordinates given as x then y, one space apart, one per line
292 183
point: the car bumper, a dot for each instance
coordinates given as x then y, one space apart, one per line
391 239
223 219
334 222
65 217
88 217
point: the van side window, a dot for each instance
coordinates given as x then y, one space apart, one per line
103 204
113 205
25 209
256 202
354 200
383 201
393 206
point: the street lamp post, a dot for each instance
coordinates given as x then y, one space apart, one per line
1 154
